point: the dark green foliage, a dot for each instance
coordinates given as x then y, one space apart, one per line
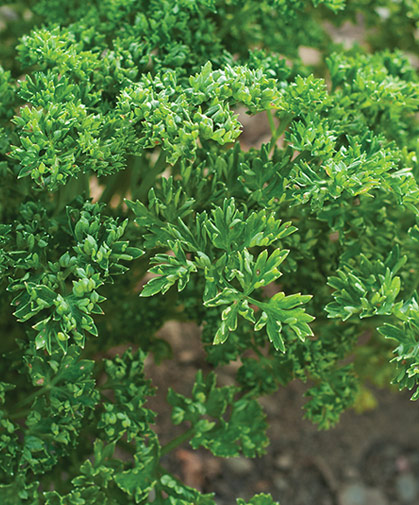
127 199
222 437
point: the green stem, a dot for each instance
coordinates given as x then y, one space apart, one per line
414 288
159 494
30 398
48 387
108 386
112 182
285 120
271 122
122 181
126 446
177 441
302 156
257 351
75 186
19 415
150 177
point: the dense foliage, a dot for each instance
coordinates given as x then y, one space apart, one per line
122 174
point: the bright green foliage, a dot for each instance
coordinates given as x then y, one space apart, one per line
220 247
128 199
260 499
407 350
367 290
43 291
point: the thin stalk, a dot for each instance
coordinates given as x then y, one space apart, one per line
177 441
126 446
74 187
257 351
271 122
48 387
122 181
302 156
108 386
112 182
283 125
20 414
150 177
159 494
414 288
30 398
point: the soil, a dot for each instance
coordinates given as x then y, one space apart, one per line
367 459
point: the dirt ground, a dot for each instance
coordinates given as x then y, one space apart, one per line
368 459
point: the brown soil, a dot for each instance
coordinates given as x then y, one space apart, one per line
375 453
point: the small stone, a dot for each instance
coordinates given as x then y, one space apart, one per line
262 486
359 494
225 379
8 14
350 473
239 466
309 55
268 405
280 483
187 356
402 464
283 461
354 494
407 488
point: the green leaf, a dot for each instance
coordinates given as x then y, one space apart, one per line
259 499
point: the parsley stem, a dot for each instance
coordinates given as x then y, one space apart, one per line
109 191
28 399
301 157
271 122
150 176
126 446
19 415
75 186
177 441
285 120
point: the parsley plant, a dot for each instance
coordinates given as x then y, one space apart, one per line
127 200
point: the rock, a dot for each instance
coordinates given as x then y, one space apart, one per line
309 55
8 14
224 379
353 494
262 486
359 494
350 473
270 407
402 464
283 461
407 488
280 482
192 467
187 356
239 466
